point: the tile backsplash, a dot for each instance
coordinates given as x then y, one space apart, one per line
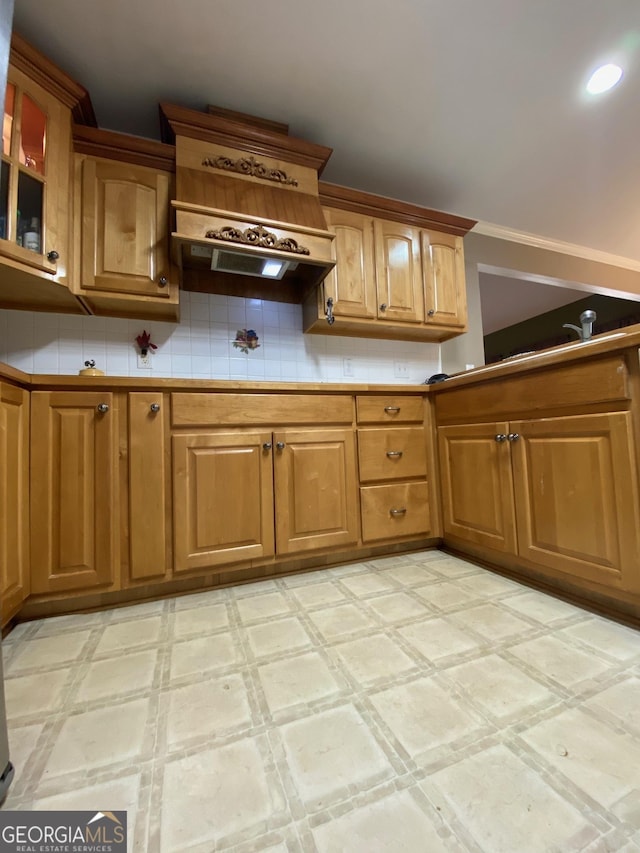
201 345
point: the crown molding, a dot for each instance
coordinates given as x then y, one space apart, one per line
548 244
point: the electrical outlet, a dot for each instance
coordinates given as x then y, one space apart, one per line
144 361
401 369
347 367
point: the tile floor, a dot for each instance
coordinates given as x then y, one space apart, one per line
414 703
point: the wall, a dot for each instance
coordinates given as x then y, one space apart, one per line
201 345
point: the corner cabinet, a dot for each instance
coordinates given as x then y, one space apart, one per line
398 277
40 102
122 226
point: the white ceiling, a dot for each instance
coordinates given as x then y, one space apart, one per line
476 108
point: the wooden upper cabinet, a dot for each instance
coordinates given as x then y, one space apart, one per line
14 499
352 282
74 506
399 272
444 279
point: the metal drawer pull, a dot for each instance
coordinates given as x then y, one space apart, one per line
266 445
102 408
394 454
513 436
398 511
280 445
390 409
154 407
500 437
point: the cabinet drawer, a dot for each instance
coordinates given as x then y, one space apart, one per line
400 509
202 409
379 410
392 454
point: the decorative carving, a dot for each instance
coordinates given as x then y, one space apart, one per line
257 236
250 166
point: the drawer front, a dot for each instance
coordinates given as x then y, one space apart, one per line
197 409
400 509
380 410
392 454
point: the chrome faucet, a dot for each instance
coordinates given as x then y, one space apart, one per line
587 319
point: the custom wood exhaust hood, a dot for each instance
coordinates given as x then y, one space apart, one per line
248 217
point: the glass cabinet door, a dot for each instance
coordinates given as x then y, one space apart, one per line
24 171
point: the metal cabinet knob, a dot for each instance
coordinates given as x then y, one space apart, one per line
102 408
394 454
52 256
280 445
163 281
154 407
430 312
395 512
392 409
266 445
513 436
383 307
500 437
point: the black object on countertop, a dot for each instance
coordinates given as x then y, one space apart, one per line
437 377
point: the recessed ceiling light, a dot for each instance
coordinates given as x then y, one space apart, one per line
604 78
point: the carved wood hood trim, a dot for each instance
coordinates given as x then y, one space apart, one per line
250 166
258 236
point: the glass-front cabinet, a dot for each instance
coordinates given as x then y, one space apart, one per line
34 176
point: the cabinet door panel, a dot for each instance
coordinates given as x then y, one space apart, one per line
395 510
316 489
124 228
148 474
73 508
14 498
399 272
445 291
576 496
477 490
391 453
352 282
223 499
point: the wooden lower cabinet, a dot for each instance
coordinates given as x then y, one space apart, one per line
395 510
315 489
222 499
14 499
558 492
74 506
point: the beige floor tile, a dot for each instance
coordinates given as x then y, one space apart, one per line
193 657
49 651
337 621
129 635
393 824
115 676
35 694
437 638
450 567
500 688
302 679
98 738
207 709
200 620
262 606
254 588
493 621
200 599
445 595
216 793
559 660
621 701
139 611
614 640
423 716
23 741
373 657
397 607
542 608
507 807
367 583
279 636
488 585
313 595
330 753
73 622
601 761
410 575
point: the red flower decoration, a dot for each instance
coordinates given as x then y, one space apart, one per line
144 342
